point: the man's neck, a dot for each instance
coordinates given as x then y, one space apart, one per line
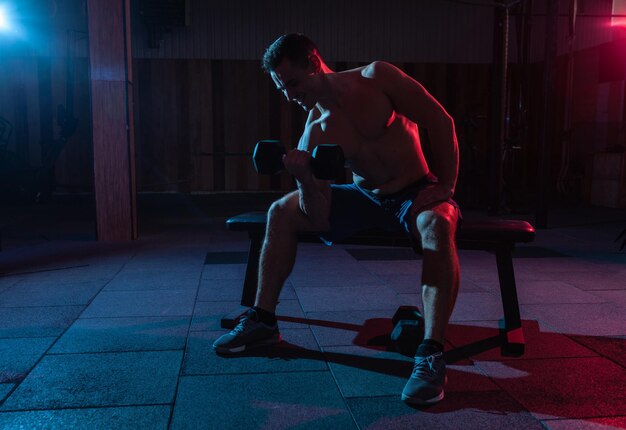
327 98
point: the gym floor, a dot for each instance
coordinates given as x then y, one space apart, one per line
118 335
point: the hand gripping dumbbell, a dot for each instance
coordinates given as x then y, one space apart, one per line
327 161
408 330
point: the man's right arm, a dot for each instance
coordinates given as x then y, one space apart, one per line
315 194
315 200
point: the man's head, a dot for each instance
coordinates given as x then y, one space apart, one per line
293 60
295 47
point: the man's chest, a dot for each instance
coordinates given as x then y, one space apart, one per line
354 129
366 111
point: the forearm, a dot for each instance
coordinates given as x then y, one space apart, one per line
315 204
445 152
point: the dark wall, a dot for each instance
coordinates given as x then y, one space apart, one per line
201 100
198 120
34 95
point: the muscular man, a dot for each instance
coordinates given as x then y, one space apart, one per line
373 113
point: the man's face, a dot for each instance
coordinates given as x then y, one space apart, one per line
295 83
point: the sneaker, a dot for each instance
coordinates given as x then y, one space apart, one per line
249 333
425 386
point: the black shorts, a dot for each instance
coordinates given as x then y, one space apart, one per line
354 209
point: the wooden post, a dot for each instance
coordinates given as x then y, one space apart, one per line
112 115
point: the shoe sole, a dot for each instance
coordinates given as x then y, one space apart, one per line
242 348
420 402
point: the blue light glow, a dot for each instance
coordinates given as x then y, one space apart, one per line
10 26
5 25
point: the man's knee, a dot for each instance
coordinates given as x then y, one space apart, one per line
282 210
437 228
286 213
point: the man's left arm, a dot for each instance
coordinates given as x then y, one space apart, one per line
410 99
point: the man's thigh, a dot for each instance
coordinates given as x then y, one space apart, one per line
353 211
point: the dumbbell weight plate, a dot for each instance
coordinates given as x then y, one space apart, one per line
408 330
407 335
328 161
406 313
268 157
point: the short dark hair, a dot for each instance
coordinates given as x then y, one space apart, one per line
295 47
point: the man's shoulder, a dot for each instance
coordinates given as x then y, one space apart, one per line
364 79
376 69
365 71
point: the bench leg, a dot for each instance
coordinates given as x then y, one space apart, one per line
250 283
514 345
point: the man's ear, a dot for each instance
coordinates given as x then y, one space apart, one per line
315 63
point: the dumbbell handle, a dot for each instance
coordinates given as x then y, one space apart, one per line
327 161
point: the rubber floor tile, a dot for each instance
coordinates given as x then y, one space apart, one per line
590 319
541 341
38 321
563 388
89 380
303 400
141 304
460 410
611 347
613 423
17 356
136 417
123 334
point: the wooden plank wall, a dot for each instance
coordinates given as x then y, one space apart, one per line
74 168
361 30
346 30
19 100
31 89
188 112
198 121
178 103
182 111
203 92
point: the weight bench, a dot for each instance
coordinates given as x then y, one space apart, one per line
495 236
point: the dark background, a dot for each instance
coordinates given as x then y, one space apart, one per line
201 100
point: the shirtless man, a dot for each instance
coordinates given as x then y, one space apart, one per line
373 113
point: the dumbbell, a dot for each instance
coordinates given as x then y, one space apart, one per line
327 161
408 330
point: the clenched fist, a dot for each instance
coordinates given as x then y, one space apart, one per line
298 163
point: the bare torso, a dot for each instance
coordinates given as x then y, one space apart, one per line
381 146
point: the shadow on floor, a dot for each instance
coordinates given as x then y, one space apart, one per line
565 386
